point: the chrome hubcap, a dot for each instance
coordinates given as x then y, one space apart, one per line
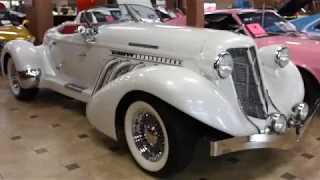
15 79
148 136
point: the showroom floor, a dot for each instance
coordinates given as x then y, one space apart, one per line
51 138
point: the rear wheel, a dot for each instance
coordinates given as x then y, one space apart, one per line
160 142
14 82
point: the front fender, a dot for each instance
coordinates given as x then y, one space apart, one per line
268 56
23 53
285 85
184 89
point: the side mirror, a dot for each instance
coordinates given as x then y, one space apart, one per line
87 34
25 22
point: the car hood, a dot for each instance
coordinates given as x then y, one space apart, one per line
174 41
8 33
300 42
304 51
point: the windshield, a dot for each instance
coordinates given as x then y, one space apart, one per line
119 13
8 19
266 24
168 14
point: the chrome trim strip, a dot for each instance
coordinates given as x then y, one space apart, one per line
263 90
29 78
138 66
149 46
116 69
260 141
257 79
247 117
74 87
147 58
274 106
103 74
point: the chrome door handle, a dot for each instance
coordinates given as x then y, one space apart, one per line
82 54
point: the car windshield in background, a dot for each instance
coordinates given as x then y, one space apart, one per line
142 12
266 24
119 13
107 14
167 14
7 19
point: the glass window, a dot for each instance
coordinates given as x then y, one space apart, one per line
222 22
116 13
143 12
317 27
270 22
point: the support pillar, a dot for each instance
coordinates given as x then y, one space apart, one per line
195 13
85 4
170 4
182 5
40 17
101 2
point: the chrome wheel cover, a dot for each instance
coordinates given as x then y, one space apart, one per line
14 79
148 136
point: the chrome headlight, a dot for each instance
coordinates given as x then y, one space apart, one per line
223 65
282 57
300 111
276 123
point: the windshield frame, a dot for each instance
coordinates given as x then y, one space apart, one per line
127 8
269 33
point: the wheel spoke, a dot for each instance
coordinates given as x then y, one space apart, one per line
148 136
14 78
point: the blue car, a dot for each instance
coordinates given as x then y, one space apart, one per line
309 25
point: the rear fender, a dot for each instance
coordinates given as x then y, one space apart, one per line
23 53
27 62
184 89
280 81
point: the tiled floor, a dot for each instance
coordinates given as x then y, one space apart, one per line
51 139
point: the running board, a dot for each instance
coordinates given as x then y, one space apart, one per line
74 87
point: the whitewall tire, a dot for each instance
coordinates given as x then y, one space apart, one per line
160 138
136 111
14 78
14 82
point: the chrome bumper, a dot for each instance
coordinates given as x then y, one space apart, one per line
260 141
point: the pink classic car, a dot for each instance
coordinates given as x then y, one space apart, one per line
267 28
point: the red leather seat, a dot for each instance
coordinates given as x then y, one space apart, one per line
70 29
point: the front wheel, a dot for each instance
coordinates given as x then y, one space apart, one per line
14 82
312 90
161 139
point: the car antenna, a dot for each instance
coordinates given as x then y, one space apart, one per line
263 10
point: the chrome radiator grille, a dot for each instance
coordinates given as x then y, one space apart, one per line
247 81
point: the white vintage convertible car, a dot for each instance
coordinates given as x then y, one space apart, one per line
165 92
